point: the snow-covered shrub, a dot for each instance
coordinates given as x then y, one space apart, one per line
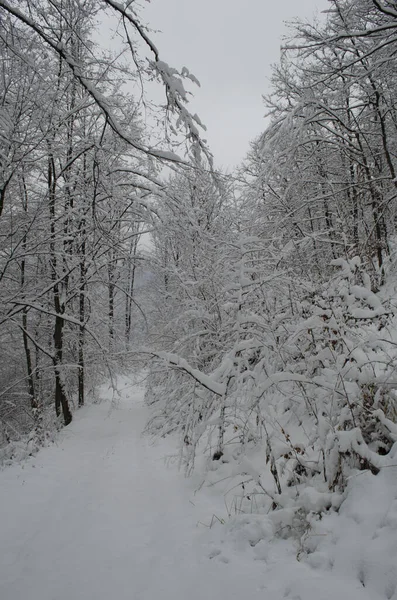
306 393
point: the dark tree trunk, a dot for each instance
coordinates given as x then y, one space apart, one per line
61 401
81 339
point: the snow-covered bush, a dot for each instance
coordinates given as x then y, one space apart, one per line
306 393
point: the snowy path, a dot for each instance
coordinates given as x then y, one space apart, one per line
99 516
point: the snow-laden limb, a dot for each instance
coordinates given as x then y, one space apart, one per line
207 381
276 378
177 96
361 293
173 84
77 69
387 423
366 313
67 318
353 441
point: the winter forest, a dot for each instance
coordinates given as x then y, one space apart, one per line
258 307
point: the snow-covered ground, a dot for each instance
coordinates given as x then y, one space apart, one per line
105 515
100 516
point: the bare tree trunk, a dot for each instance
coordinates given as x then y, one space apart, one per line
28 355
111 289
61 401
81 339
130 290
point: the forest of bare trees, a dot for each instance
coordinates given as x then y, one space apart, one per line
78 171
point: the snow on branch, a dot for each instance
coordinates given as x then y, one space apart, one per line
206 381
91 89
172 81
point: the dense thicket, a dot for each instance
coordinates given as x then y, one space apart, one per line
296 388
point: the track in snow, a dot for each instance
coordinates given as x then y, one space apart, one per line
99 516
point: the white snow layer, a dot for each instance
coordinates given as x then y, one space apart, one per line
103 514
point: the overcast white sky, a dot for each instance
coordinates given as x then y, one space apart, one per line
229 45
